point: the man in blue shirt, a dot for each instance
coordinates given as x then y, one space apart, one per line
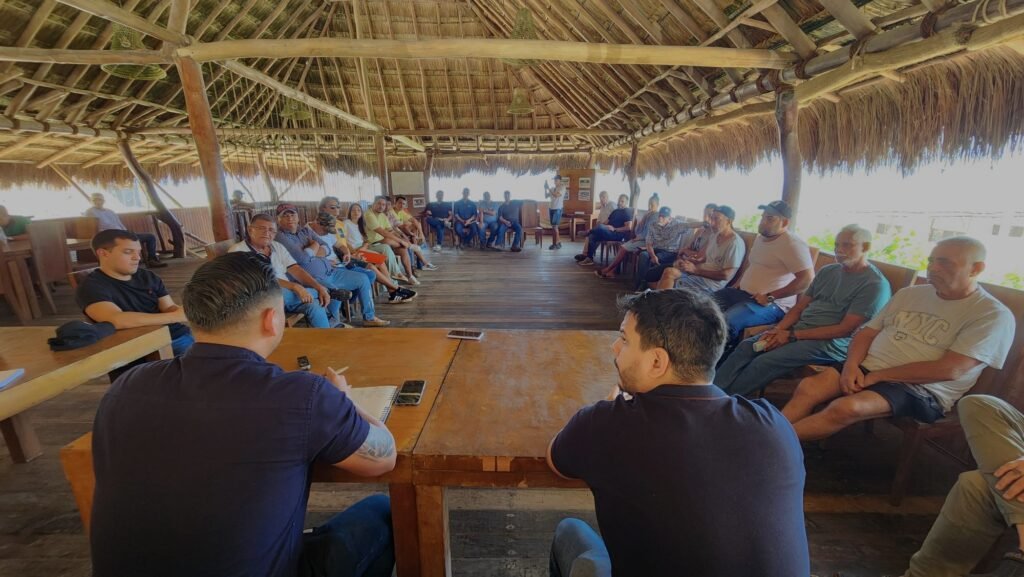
817 330
467 220
310 251
489 216
686 479
203 462
508 218
439 216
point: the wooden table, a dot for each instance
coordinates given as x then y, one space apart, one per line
583 217
375 357
505 397
49 373
17 278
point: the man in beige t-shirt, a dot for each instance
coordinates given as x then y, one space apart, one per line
779 268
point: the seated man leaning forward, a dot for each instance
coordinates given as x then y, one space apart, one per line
203 462
660 243
126 296
668 502
307 296
984 502
779 268
920 354
620 225
818 328
712 266
311 253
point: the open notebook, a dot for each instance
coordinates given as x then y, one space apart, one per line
10 377
375 400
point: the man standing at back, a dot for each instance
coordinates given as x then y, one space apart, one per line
107 219
203 462
686 479
780 268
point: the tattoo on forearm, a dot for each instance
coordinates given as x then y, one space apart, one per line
379 445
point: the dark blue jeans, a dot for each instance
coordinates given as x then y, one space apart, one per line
182 344
742 311
357 542
599 235
466 233
438 226
517 228
148 242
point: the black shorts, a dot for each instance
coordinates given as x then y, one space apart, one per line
906 400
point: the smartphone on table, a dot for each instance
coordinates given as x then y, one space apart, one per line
410 394
465 334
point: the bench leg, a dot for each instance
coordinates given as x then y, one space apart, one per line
432 514
21 439
908 451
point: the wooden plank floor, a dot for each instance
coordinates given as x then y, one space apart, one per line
495 533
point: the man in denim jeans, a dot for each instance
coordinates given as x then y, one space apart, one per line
917 356
687 480
779 268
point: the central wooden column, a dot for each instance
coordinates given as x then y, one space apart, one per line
787 115
204 133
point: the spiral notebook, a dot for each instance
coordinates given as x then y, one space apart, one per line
376 401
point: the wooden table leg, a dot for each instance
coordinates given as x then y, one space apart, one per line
14 292
21 439
161 354
432 515
572 228
406 529
25 282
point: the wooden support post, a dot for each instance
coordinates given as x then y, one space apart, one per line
787 115
261 164
382 165
164 215
634 188
205 136
74 184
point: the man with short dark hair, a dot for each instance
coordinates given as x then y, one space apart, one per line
620 224
508 219
467 220
311 253
107 219
307 296
712 266
203 462
489 219
439 217
126 296
407 223
686 479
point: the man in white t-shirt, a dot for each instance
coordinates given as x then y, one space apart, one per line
310 297
918 356
779 268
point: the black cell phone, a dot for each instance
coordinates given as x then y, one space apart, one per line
465 334
411 393
304 363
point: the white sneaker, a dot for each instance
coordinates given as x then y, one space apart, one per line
437 248
414 281
430 266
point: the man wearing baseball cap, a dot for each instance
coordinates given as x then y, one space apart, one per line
780 268
310 251
723 255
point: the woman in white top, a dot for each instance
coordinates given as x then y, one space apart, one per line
357 242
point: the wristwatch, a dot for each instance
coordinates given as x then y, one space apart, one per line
770 298
792 337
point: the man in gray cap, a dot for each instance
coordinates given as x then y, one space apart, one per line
722 256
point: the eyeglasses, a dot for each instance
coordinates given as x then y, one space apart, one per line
263 229
332 207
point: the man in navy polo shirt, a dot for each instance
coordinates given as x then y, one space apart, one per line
203 461
686 479
126 296
439 216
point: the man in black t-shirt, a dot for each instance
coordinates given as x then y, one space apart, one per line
439 216
126 296
686 479
508 219
619 227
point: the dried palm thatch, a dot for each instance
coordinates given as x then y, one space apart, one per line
963 107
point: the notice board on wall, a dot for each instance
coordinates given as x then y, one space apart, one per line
407 183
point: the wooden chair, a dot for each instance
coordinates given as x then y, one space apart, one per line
544 224
12 289
51 261
77 277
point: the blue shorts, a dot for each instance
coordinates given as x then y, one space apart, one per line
905 400
556 216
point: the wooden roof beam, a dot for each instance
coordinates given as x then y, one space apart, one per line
847 14
419 64
790 30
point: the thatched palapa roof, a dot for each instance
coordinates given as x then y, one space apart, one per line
878 82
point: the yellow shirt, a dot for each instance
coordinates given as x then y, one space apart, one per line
339 228
372 222
402 216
